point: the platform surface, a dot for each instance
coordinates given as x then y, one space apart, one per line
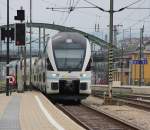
32 111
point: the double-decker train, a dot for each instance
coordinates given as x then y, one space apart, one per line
63 71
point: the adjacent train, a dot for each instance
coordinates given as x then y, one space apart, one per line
63 71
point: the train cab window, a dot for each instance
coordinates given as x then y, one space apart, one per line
49 65
88 68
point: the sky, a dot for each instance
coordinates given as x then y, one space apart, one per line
83 19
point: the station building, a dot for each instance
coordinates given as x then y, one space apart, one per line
129 72
121 71
144 69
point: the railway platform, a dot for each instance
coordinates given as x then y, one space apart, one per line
32 111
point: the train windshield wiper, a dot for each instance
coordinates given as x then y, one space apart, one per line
65 63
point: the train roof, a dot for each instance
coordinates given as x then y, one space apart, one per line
69 37
13 63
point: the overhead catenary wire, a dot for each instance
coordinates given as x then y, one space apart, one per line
71 7
139 21
66 18
95 5
133 3
127 17
63 13
121 9
77 2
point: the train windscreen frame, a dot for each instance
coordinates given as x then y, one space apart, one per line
69 52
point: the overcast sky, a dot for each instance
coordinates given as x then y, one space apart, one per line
83 19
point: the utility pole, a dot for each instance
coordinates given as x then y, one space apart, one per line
0 61
110 50
122 60
116 33
25 67
130 36
44 38
7 66
0 47
23 57
21 68
141 75
30 43
39 41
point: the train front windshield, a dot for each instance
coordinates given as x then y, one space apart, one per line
69 59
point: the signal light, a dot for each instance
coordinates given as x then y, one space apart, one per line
20 15
20 34
5 33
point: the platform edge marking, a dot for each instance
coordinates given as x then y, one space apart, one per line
48 116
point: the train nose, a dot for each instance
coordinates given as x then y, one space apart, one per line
69 87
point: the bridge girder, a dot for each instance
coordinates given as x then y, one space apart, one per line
92 38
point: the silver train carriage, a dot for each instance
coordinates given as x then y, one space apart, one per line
64 70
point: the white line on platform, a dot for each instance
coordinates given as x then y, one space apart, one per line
48 116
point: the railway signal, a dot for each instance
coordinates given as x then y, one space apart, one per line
5 33
20 15
20 34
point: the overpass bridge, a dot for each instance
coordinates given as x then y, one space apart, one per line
45 26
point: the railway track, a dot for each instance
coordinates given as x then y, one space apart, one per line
2 88
135 101
138 103
92 119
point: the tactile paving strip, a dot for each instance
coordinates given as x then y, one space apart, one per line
10 117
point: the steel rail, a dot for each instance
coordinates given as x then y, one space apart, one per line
84 125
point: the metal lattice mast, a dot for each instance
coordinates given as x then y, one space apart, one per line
110 50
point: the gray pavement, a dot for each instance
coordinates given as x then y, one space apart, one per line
10 118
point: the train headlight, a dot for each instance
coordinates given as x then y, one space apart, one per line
55 75
69 40
83 75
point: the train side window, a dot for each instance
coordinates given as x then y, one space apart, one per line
49 65
40 77
43 76
37 78
34 78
